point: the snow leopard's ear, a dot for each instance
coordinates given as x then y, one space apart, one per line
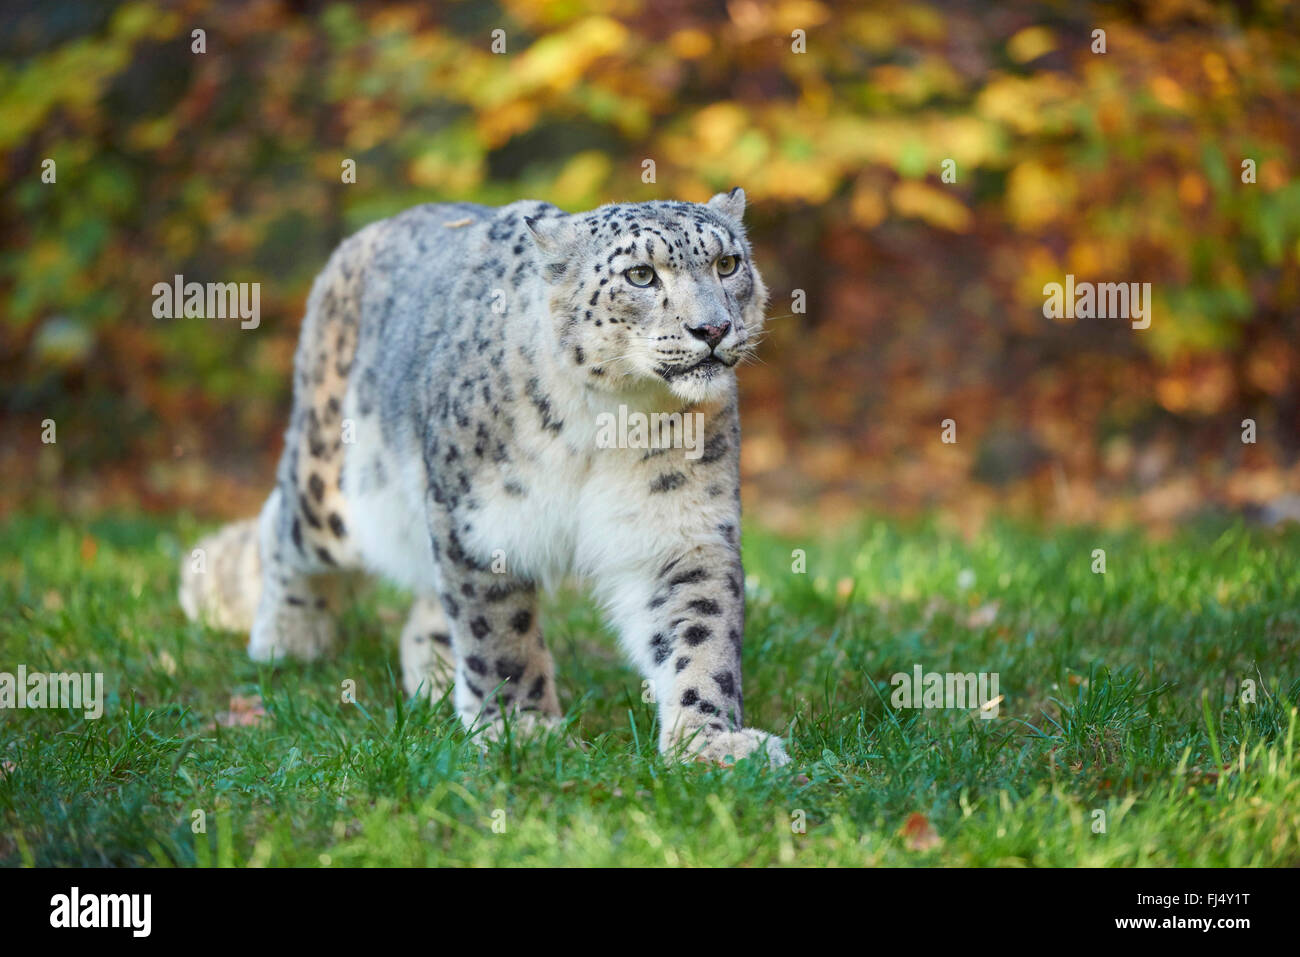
551 233
554 236
730 205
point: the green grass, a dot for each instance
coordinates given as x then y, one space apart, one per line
1122 694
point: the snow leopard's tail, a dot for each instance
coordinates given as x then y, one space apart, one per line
221 577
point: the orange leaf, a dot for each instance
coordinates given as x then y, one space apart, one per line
918 833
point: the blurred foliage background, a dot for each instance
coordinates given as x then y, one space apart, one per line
924 299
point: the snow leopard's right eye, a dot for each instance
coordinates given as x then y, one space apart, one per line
640 275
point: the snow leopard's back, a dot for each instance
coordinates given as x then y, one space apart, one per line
397 309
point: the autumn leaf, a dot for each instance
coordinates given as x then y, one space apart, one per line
246 711
983 616
918 834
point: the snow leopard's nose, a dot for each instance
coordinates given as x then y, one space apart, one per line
711 333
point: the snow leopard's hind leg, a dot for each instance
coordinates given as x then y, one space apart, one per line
428 664
221 577
296 614
303 531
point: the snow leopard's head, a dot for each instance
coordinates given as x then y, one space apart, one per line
661 292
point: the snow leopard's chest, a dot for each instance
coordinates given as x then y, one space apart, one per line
552 510
543 511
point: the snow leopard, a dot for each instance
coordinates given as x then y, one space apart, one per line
455 366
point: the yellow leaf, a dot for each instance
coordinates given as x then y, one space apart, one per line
690 44
1038 194
580 181
1030 43
800 15
934 206
867 206
717 127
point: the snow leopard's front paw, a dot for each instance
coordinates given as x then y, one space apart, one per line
725 748
524 726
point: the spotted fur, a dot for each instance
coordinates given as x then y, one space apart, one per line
452 369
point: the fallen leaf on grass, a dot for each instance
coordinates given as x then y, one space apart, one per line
246 711
918 834
1199 775
983 616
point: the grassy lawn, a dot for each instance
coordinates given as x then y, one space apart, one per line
1123 694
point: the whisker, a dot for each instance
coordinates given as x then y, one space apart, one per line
602 362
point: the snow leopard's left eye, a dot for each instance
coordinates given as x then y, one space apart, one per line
640 275
727 265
